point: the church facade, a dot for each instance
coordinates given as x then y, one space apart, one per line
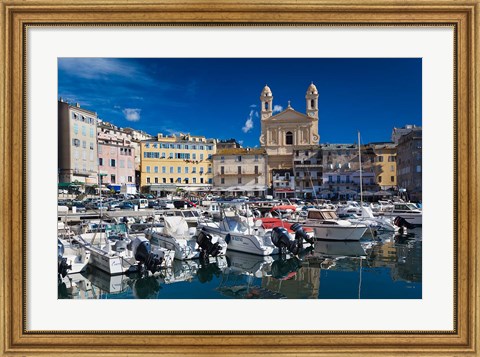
289 131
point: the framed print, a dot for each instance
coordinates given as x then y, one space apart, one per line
380 98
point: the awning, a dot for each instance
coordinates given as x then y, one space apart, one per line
67 184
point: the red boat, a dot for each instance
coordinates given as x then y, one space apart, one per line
270 223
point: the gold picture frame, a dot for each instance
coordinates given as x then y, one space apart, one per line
18 15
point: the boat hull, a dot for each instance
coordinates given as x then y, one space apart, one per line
353 233
242 242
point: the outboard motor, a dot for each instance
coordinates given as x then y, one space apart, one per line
204 241
281 240
300 234
63 267
142 251
402 223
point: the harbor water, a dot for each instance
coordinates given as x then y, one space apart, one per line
383 267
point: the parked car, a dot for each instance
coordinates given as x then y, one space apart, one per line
80 207
126 205
112 206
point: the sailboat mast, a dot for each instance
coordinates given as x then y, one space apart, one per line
360 163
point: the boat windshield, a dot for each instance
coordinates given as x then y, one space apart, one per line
236 225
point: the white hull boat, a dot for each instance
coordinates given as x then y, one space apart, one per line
408 211
326 225
239 236
176 236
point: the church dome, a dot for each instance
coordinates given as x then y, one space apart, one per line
266 91
312 89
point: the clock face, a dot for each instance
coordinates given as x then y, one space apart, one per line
311 114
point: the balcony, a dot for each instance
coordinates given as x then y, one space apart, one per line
236 173
83 173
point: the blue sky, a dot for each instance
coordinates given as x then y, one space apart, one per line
219 97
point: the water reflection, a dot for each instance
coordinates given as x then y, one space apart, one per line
384 267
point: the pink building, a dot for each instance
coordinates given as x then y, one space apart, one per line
116 157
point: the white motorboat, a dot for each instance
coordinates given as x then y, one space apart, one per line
115 253
408 211
76 257
239 236
376 225
176 236
326 225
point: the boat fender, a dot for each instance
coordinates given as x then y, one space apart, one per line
228 238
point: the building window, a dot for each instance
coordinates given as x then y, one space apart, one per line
163 155
164 180
194 156
239 180
391 158
112 178
256 179
84 130
392 178
171 179
222 181
186 169
171 169
239 159
289 138
210 181
201 157
194 180
100 161
222 158
256 158
156 179
239 169
179 170
130 179
76 142
91 146
419 168
380 158
147 145
194 170
164 170
155 169
379 178
91 132
84 144
75 128
179 180
392 168
201 179
112 162
148 169
266 105
222 170
148 179
122 164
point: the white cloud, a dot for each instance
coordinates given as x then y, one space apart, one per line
249 123
92 68
253 106
277 108
132 114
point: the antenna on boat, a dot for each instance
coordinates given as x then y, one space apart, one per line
360 163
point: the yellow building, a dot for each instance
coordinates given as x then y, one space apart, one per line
385 165
175 162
